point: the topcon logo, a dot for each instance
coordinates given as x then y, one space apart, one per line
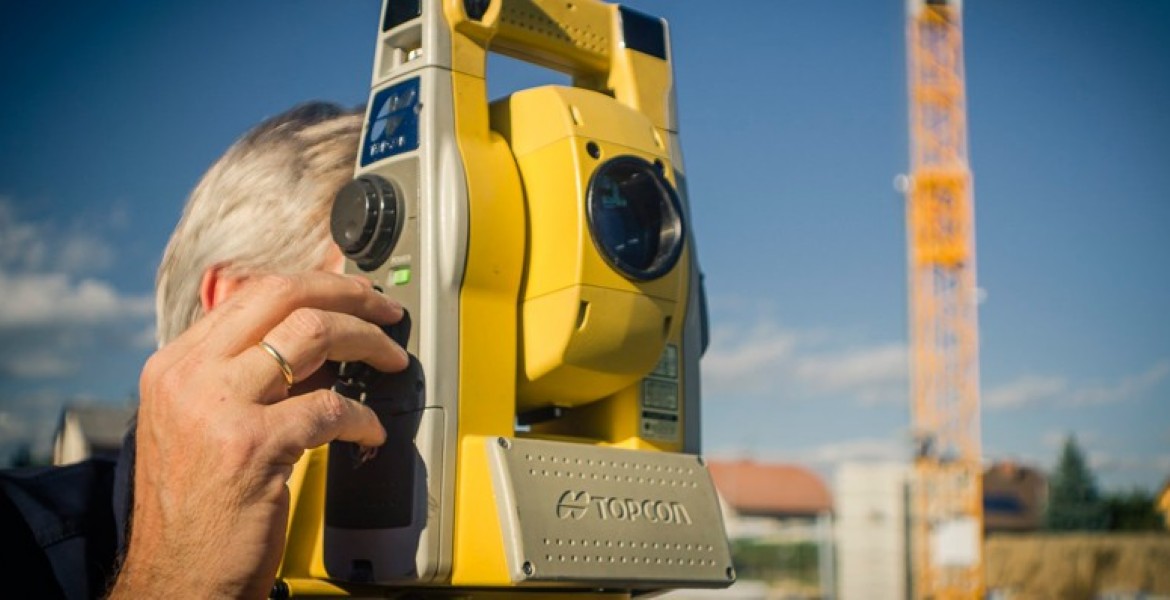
573 506
577 504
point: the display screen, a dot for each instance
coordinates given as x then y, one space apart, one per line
399 12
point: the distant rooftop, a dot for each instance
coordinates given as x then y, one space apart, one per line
1014 497
104 426
771 489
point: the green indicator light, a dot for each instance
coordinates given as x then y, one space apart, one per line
401 276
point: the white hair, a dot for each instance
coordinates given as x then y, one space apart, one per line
263 206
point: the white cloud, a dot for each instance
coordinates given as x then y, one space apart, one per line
1128 387
1025 391
27 247
54 312
34 300
38 365
1055 439
1118 461
826 457
1050 390
22 245
80 254
874 374
1102 461
741 359
118 216
760 357
856 450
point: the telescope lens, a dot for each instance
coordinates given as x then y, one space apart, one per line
634 217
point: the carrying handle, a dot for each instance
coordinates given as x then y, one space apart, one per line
572 36
604 47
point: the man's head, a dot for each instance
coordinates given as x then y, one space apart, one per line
263 206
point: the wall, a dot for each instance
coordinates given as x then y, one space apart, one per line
70 446
871 531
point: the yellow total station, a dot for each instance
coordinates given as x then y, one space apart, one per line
545 437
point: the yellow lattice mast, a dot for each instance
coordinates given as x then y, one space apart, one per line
947 509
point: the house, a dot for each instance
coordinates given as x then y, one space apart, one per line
770 499
1014 497
90 431
779 519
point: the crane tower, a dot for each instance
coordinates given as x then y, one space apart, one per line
946 496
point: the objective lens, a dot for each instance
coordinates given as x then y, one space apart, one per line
634 217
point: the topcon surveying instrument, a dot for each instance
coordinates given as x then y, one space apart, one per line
544 438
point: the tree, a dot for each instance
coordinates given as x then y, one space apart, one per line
24 456
1133 511
1074 504
21 456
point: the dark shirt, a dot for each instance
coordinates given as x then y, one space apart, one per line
62 528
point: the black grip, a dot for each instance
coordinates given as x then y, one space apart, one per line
400 331
356 379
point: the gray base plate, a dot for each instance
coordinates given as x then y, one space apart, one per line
576 513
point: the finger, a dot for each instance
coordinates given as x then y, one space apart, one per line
309 337
310 420
264 301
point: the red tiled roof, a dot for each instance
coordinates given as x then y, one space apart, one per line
770 489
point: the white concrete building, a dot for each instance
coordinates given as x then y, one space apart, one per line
873 531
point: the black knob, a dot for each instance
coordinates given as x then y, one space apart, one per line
365 220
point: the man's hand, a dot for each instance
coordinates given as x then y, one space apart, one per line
219 430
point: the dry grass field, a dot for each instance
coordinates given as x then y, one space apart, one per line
1078 566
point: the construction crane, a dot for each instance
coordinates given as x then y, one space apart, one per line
946 495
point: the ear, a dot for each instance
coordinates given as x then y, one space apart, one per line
218 286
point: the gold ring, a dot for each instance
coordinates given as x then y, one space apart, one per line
285 368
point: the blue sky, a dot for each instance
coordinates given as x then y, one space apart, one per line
793 118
